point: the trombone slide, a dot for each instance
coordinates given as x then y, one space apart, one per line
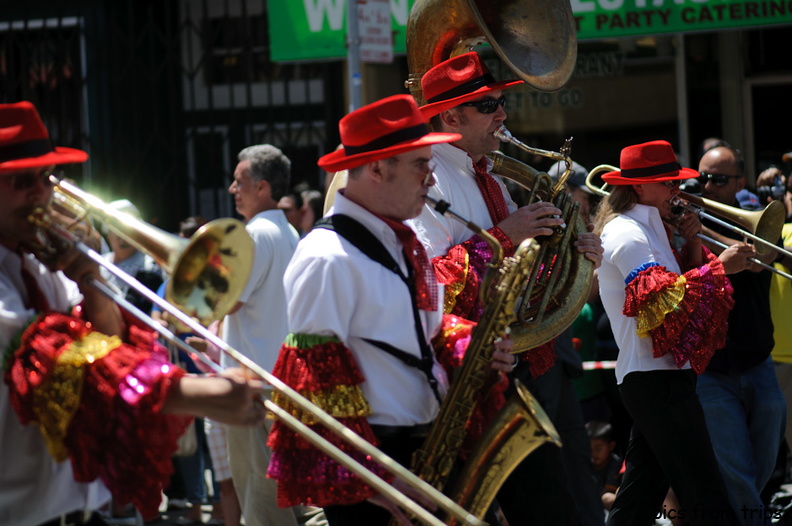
442 501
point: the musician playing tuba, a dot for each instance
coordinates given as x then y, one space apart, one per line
668 311
87 401
369 341
463 97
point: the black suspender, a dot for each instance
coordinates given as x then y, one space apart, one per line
357 234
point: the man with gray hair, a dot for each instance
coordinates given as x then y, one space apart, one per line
258 324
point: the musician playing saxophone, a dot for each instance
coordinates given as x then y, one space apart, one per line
668 310
87 400
463 97
365 316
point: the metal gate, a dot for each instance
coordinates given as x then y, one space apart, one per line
164 93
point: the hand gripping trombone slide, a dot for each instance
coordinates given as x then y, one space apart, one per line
379 484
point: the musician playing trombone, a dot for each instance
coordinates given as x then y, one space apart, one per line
668 311
743 403
88 401
364 312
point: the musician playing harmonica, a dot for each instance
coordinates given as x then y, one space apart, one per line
668 312
87 399
364 313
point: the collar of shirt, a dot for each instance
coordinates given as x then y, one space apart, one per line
273 214
458 158
649 217
375 225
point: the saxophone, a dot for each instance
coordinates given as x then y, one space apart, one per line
520 427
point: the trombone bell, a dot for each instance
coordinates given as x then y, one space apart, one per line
207 272
764 224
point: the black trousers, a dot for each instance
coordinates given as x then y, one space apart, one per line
669 445
538 492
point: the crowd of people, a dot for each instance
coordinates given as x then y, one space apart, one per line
374 312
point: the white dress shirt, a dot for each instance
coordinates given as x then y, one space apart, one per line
630 240
455 184
335 289
33 487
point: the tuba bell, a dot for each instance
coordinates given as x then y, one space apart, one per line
535 39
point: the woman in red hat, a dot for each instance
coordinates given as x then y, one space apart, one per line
81 411
668 311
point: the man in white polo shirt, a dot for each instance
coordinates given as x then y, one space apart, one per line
258 324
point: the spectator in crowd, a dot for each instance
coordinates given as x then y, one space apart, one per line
313 204
292 205
128 258
258 324
781 298
188 482
606 463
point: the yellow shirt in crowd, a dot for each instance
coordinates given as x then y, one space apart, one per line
781 306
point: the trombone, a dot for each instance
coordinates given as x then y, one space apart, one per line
94 207
763 224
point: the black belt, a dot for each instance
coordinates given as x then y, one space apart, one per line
75 518
390 432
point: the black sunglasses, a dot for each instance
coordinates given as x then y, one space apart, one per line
488 105
25 180
717 179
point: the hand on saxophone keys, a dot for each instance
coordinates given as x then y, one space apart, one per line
502 358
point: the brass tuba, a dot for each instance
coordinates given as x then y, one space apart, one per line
536 40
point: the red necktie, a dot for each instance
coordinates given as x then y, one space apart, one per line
414 251
36 299
493 195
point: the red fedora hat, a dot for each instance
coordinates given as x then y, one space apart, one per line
382 129
649 162
25 143
456 80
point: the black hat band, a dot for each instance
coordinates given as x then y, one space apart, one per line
25 150
463 89
390 139
632 173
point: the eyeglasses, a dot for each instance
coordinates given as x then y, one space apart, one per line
671 184
26 180
488 105
717 179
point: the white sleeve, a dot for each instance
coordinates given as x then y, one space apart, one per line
628 248
322 296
